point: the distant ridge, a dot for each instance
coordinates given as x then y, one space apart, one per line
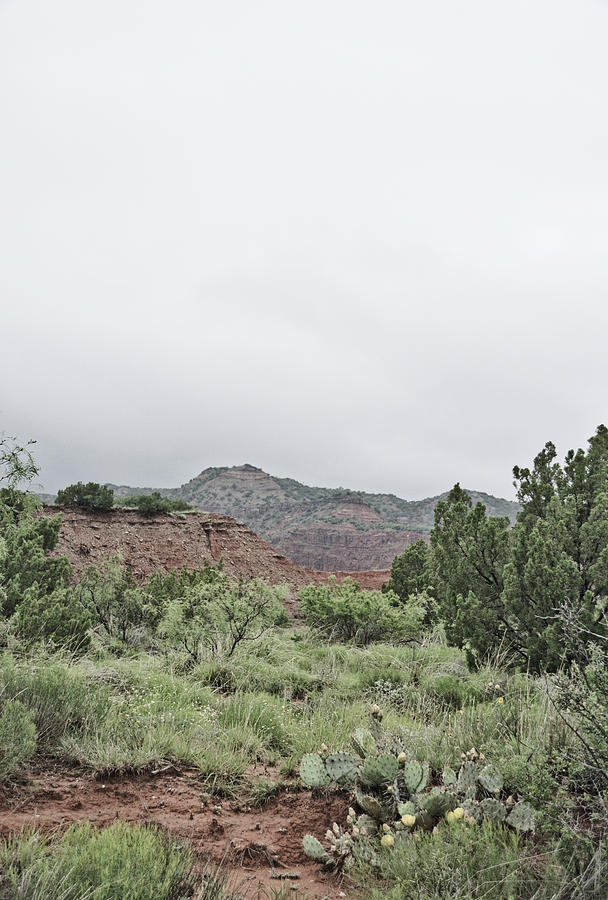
327 529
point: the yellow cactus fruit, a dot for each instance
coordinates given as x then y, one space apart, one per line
401 758
450 818
458 813
387 840
408 820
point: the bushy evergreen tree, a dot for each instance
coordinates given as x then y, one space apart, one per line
93 496
519 588
26 539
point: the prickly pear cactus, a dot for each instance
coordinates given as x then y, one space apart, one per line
490 779
391 793
426 776
366 822
473 810
313 771
341 768
377 771
363 742
467 780
406 809
413 777
314 849
449 776
376 727
522 817
436 805
372 806
493 809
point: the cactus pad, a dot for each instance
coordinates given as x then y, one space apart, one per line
426 774
406 809
490 779
314 849
473 810
371 806
363 742
341 767
522 817
449 776
365 821
467 779
493 809
413 776
313 771
436 805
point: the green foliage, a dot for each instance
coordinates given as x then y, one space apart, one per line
582 696
411 573
93 496
59 698
558 569
25 544
17 737
518 589
152 504
130 862
112 599
219 614
344 612
26 538
162 588
469 553
57 619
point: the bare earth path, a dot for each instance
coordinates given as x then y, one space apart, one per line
260 848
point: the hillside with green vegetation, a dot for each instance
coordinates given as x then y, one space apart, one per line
442 738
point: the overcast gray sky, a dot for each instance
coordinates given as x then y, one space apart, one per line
355 243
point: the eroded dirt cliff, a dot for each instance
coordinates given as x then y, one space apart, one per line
164 542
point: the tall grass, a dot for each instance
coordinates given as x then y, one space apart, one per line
122 861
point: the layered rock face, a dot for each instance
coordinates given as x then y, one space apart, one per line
329 549
164 542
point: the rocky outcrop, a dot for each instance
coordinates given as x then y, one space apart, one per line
160 543
347 547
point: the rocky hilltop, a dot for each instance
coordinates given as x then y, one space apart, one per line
326 529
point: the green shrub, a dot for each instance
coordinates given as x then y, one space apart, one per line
217 616
517 589
17 737
93 496
153 503
113 600
59 619
25 543
344 612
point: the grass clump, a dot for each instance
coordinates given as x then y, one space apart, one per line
17 737
122 862
485 862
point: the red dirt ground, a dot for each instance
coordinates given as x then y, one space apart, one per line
260 848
